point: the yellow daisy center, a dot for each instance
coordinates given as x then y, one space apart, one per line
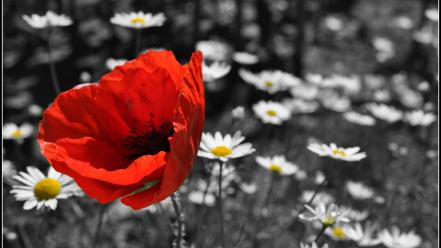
47 188
329 220
221 151
339 153
338 232
276 168
268 84
137 20
17 134
271 112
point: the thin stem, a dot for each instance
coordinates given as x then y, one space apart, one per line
270 190
320 233
200 223
221 214
176 207
137 42
96 238
53 71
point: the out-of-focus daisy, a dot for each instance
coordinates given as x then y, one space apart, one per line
363 236
85 77
350 84
277 164
11 131
8 171
327 215
334 102
312 245
224 148
354 214
337 232
385 112
38 190
245 58
270 81
419 118
381 95
215 70
138 20
305 91
425 36
299 106
333 151
395 239
320 198
333 23
432 14
213 50
319 177
35 110
112 63
359 119
238 112
50 19
403 22
271 112
359 190
385 48
201 198
424 86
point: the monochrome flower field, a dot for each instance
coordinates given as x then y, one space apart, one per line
220 124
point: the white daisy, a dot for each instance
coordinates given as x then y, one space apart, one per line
277 164
35 110
419 118
305 91
271 112
224 148
299 106
359 119
385 112
38 190
385 48
50 19
112 63
349 84
320 197
138 20
270 81
363 236
404 22
11 131
335 102
359 190
245 58
213 50
333 151
198 197
327 215
238 112
354 214
334 23
396 239
432 14
215 70
426 36
337 232
313 245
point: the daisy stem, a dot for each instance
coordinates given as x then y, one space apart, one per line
204 196
221 214
320 233
53 71
96 238
270 190
176 207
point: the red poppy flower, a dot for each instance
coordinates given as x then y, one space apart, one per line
134 134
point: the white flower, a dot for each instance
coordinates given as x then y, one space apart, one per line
426 36
432 14
360 119
198 197
381 95
419 118
35 110
13 132
299 106
270 81
354 214
334 102
112 63
38 190
215 70
138 20
320 198
333 151
385 112
305 91
50 19
213 50
8 169
224 148
248 188
395 239
271 112
359 190
337 232
313 245
328 216
385 48
238 112
333 23
404 22
277 164
363 237
245 58
350 84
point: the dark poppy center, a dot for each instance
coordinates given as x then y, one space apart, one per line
148 139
